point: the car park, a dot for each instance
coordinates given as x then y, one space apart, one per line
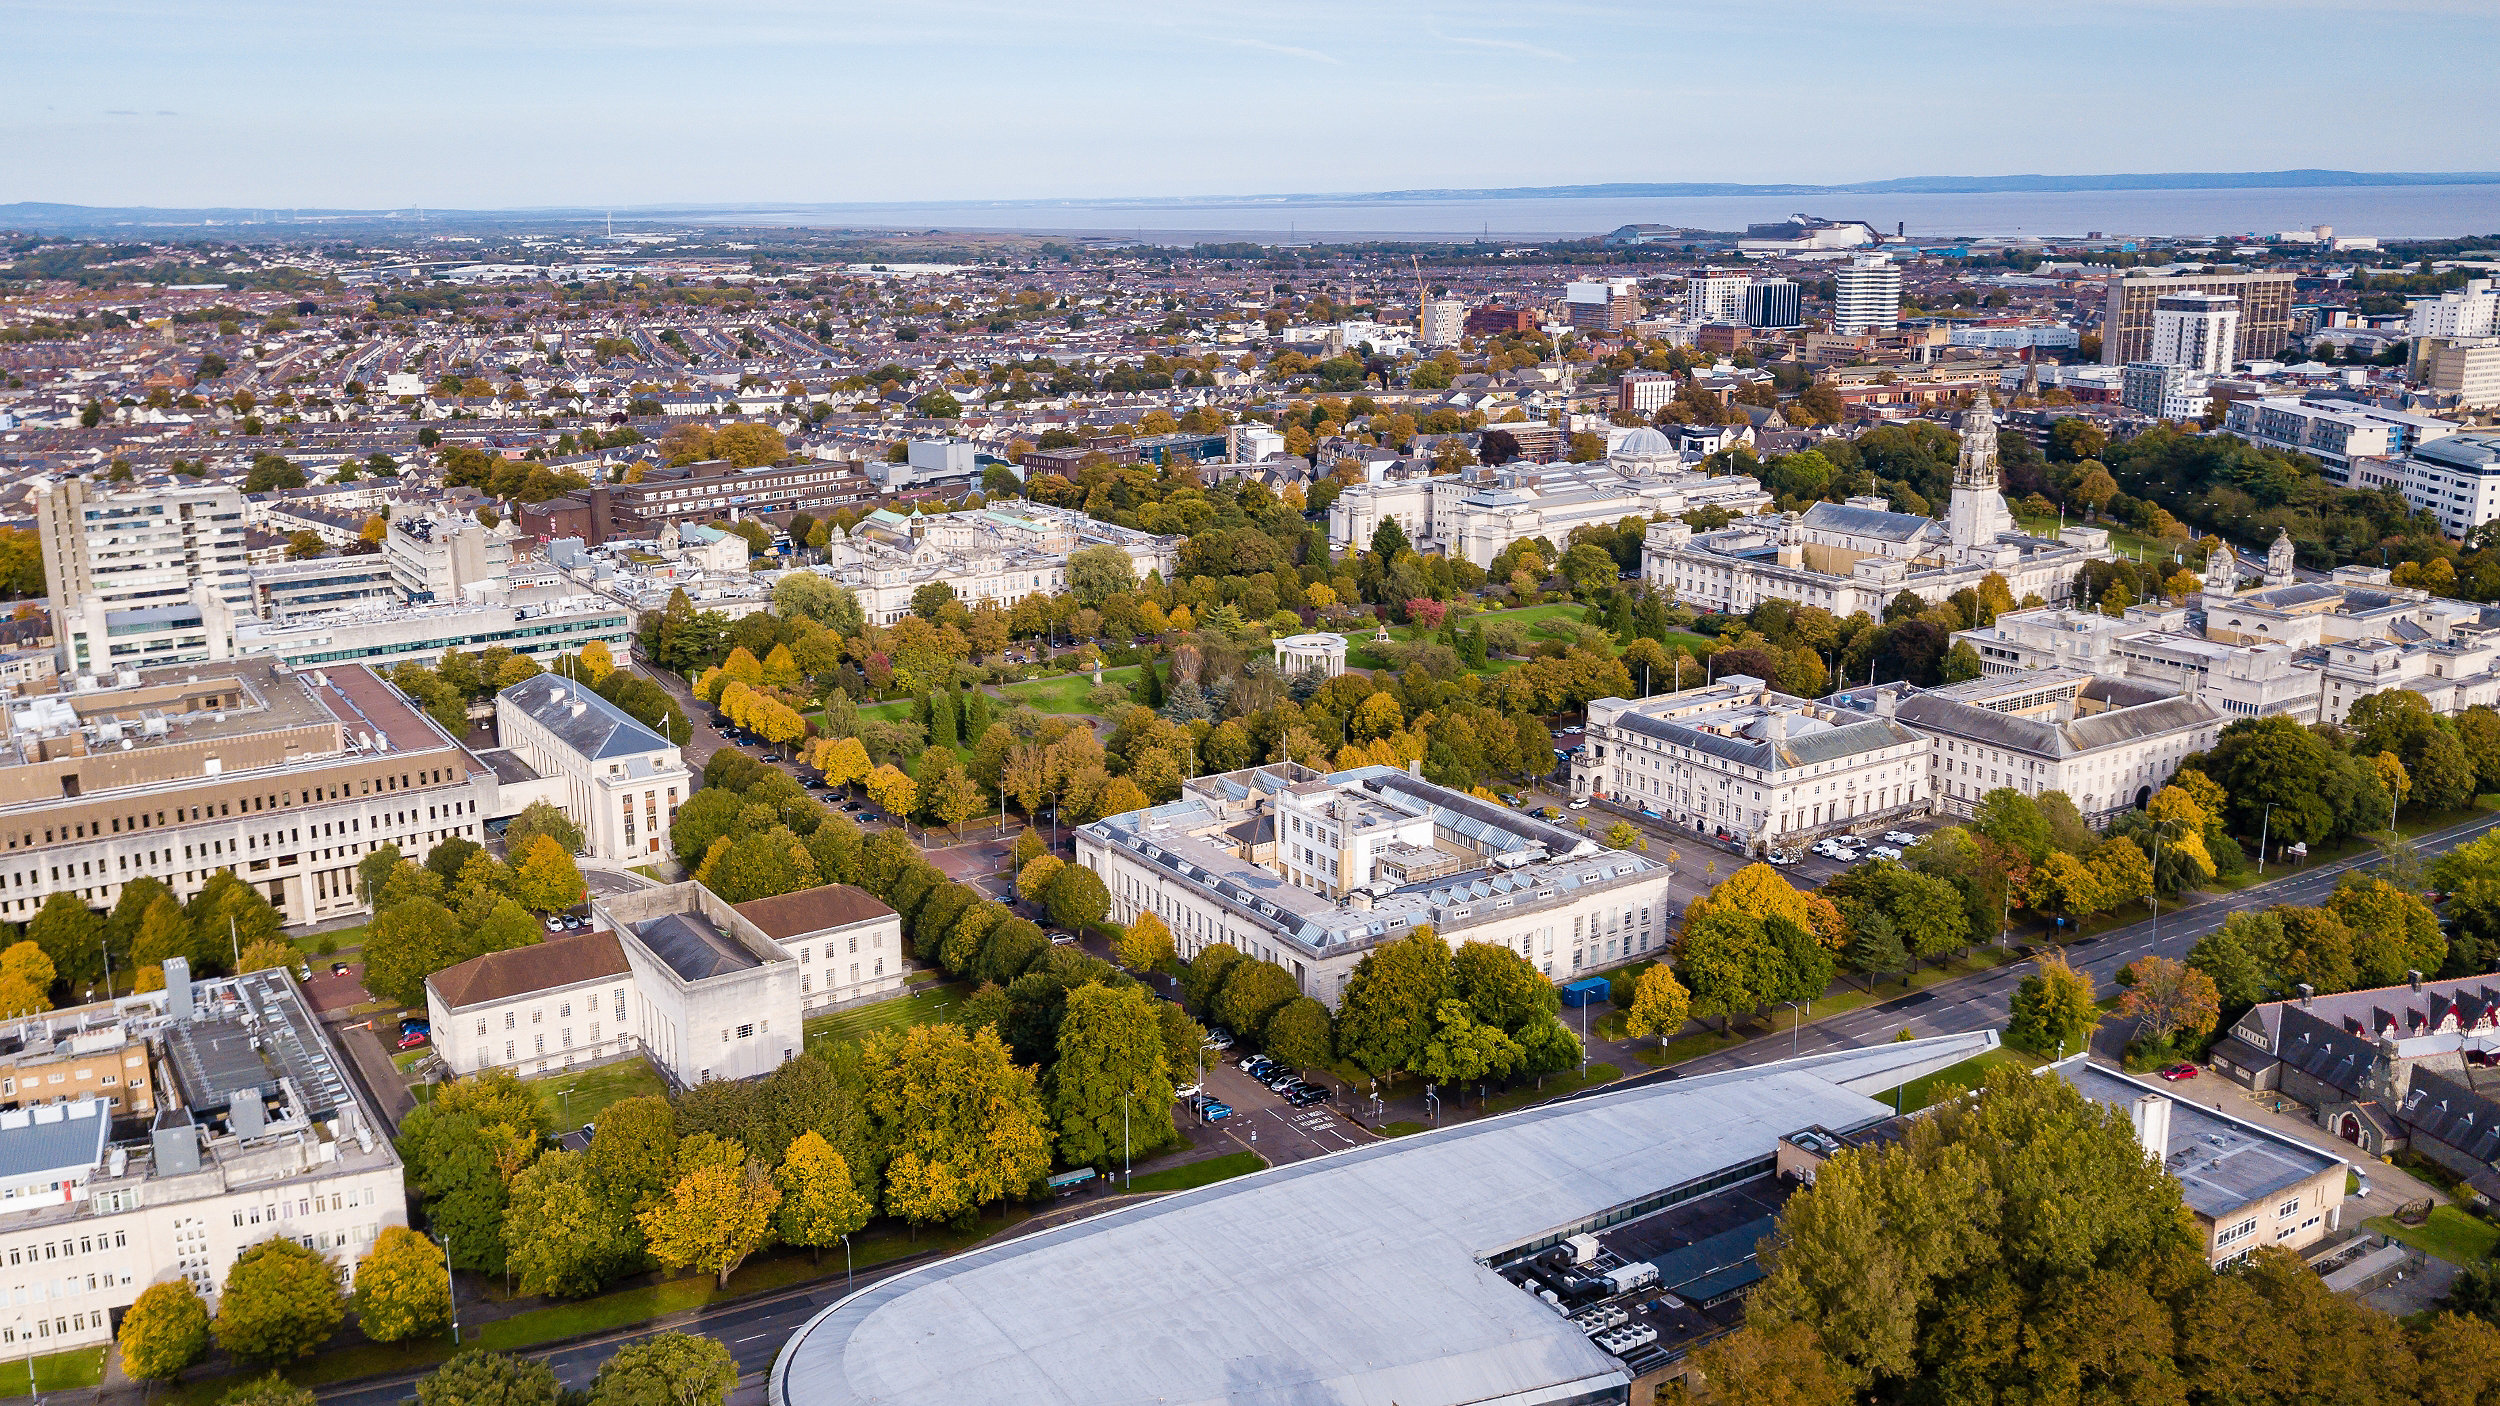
1886 852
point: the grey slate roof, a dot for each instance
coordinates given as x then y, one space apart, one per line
2221 1164
581 719
2441 1107
72 1141
692 947
1872 522
2048 739
1834 744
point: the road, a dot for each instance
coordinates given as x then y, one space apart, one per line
1982 1001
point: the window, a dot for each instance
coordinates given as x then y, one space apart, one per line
746 1032
2289 1208
2237 1233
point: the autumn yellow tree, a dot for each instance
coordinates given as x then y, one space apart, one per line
718 1211
1035 879
26 979
1147 943
820 1202
1760 892
596 662
843 760
897 793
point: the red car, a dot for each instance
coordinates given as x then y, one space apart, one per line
412 1039
2179 1071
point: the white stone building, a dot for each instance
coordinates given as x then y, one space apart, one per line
1312 871
1474 514
620 781
659 971
142 578
1000 554
1859 555
266 1139
1741 762
1322 651
383 635
2108 743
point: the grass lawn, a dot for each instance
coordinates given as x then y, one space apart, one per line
2452 1235
1066 693
2125 539
70 1371
338 940
1399 1129
1203 1173
1920 1092
1556 1086
926 1006
897 711
577 1096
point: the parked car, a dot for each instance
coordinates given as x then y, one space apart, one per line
1899 837
554 924
1061 939
1216 1112
2178 1072
413 1039
1249 1062
1188 1093
338 969
1782 857
1886 852
1580 804
1649 814
1219 1039
1304 1098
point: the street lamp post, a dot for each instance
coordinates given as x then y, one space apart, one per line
846 1261
1796 1025
2262 827
451 1290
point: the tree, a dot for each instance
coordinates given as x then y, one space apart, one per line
407 943
1463 1049
1110 1091
1039 873
666 1369
271 1390
820 1201
953 1122
72 935
1660 1005
893 791
1096 574
2170 998
1077 898
1391 1000
541 818
1146 943
1297 1034
281 1300
447 859
566 1233
2394 931
2053 1009
481 1378
956 799
402 1289
719 1211
25 979
375 869
260 956
546 879
164 1331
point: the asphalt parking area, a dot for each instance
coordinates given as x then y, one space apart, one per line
1264 1123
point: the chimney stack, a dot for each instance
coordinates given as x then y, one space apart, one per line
2151 1115
2413 979
2308 993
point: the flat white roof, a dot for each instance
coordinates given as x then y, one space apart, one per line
1355 1278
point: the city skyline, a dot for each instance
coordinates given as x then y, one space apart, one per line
629 103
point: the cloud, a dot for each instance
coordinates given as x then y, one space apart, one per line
1516 46
1288 50
121 112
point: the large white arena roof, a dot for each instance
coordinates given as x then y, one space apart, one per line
1357 1279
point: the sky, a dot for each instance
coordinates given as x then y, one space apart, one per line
483 104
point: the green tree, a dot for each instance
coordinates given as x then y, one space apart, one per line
1500 987
481 1378
566 1234
633 1155
953 1123
1096 574
280 1301
164 1331
447 858
408 943
1110 1080
1729 964
72 935
820 1200
2053 1010
402 1288
1391 1000
271 1390
542 818
1297 1034
1077 898
1255 990
1463 1049
667 1369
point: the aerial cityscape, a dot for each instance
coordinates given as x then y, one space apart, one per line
872 721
